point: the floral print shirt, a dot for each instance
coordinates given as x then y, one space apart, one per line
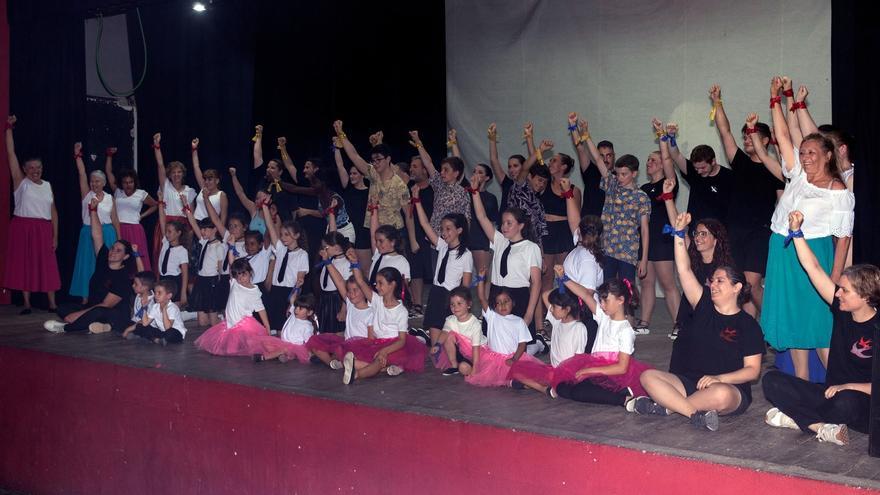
448 198
622 217
524 197
392 195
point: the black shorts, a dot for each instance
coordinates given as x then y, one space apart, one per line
745 392
361 238
559 239
421 264
749 247
660 247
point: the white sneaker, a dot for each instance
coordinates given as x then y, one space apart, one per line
779 419
836 434
54 326
641 328
97 327
188 315
393 370
348 366
630 404
335 364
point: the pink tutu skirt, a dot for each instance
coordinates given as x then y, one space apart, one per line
535 370
411 357
134 233
240 340
269 344
492 368
566 371
30 260
326 342
465 347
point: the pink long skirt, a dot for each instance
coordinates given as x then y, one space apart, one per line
411 357
240 340
326 342
566 371
30 260
135 234
269 344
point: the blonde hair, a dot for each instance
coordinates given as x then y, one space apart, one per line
175 165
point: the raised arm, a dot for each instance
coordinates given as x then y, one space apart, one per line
423 218
162 220
480 210
212 213
805 120
108 168
81 170
352 153
239 192
373 206
258 145
340 163
591 147
270 224
794 128
14 166
493 153
416 141
338 281
821 281
114 219
579 146
191 219
197 169
359 275
672 150
770 163
285 158
95 224
669 202
452 143
693 289
572 208
160 162
529 137
663 142
785 146
722 124
585 295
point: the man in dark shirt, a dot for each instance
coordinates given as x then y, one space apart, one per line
709 182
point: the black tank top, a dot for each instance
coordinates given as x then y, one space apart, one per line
553 204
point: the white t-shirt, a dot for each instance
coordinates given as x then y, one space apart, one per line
105 209
173 206
581 266
391 260
613 336
128 208
357 320
343 266
200 213
178 256
297 261
155 314
260 264
455 267
826 211
214 255
140 309
523 256
388 322
471 329
568 339
505 332
34 200
242 302
297 331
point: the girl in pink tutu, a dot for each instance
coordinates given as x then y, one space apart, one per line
327 347
234 335
608 374
299 327
393 350
462 336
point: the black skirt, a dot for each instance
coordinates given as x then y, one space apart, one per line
276 302
558 239
328 307
207 294
177 279
437 309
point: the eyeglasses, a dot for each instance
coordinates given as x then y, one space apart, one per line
377 159
701 233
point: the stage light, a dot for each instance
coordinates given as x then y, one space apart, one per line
199 7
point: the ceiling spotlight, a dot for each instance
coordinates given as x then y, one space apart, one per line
199 7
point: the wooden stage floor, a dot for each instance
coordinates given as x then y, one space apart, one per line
743 441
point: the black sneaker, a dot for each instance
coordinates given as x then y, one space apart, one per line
420 334
315 360
258 358
705 419
450 371
539 337
644 405
517 385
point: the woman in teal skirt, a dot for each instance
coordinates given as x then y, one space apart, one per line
794 316
91 186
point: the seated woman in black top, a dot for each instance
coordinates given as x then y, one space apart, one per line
719 348
844 400
109 289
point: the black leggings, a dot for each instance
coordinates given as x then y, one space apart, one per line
149 332
118 318
587 391
806 404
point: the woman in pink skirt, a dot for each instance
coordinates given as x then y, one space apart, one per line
31 265
393 350
235 335
130 200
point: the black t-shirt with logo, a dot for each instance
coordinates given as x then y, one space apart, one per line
852 348
710 343
710 195
105 280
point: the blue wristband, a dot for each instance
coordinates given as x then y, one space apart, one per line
573 127
672 141
792 234
560 281
354 265
136 254
669 230
476 281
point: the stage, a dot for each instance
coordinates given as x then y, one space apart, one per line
95 413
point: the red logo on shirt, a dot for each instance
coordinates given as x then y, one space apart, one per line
728 335
861 347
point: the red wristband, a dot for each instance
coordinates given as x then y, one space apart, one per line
372 207
109 152
798 104
330 211
751 130
788 92
77 155
568 194
665 197
10 126
156 147
471 190
413 200
93 208
773 142
774 100
161 203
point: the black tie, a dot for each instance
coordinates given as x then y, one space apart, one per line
375 269
202 256
226 260
164 270
441 273
283 267
503 269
